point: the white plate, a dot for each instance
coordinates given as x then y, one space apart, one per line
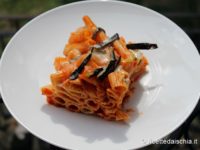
164 97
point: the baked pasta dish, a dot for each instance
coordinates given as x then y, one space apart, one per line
97 72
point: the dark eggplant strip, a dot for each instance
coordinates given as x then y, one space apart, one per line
107 42
99 29
107 70
110 68
96 72
75 74
118 61
141 46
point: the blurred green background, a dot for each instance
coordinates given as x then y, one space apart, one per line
33 7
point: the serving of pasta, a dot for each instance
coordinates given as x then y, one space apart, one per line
97 73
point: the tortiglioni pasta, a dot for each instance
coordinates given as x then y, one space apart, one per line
96 73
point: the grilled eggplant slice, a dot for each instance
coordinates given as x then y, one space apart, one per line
110 68
75 74
96 72
99 29
141 46
107 42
